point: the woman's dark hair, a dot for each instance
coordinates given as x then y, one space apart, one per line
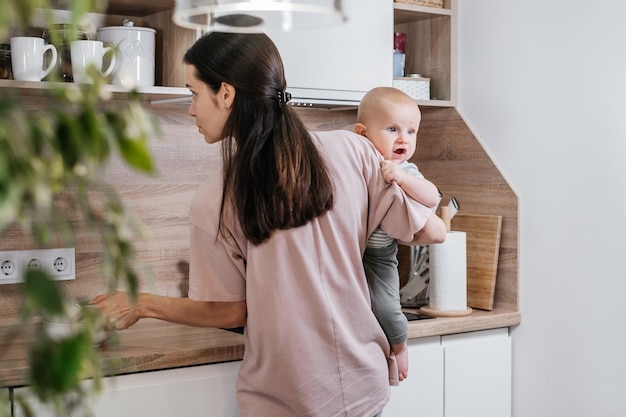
274 175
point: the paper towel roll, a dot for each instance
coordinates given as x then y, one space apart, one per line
448 275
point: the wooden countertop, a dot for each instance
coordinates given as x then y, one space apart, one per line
147 346
154 345
477 320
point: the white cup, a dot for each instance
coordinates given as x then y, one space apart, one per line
87 53
27 58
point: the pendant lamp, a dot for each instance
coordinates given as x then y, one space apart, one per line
254 16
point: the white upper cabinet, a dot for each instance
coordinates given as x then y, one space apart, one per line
338 65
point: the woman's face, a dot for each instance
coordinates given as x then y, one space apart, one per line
211 110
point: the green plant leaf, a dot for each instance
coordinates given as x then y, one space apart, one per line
56 366
42 294
93 139
137 154
67 140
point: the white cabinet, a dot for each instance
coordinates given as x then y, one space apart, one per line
421 394
207 390
338 65
466 375
462 375
478 374
194 391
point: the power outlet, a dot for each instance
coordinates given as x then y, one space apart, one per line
59 263
9 268
32 260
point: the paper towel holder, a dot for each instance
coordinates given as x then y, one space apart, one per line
432 312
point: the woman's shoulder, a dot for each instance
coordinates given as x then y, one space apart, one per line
343 149
339 133
346 139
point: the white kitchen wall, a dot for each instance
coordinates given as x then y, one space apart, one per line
543 86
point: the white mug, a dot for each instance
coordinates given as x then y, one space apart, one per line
27 58
86 53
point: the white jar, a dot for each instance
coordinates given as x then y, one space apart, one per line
135 48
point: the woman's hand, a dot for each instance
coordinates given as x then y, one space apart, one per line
118 309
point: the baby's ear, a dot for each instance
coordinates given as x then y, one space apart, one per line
359 128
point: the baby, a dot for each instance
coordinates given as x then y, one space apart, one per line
390 119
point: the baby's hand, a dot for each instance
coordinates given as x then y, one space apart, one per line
392 172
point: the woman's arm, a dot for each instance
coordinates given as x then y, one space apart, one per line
434 231
123 312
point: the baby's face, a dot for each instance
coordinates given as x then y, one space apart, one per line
393 131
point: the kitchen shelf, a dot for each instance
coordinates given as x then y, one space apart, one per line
170 44
430 48
153 95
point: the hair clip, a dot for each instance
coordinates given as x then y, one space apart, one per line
284 96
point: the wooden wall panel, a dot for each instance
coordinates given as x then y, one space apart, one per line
161 204
450 156
447 153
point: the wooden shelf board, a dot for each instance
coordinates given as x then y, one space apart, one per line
406 13
138 7
435 103
151 94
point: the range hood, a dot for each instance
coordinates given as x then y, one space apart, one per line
324 98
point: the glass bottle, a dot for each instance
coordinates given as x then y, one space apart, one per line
6 72
61 35
399 49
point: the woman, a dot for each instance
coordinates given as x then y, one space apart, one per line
280 251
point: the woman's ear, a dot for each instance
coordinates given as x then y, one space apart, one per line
227 95
360 129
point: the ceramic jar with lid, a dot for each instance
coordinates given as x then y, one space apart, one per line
135 51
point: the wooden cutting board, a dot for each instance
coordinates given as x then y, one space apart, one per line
483 245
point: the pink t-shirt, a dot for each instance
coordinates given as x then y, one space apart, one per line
312 344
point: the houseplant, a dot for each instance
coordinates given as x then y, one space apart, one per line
52 161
